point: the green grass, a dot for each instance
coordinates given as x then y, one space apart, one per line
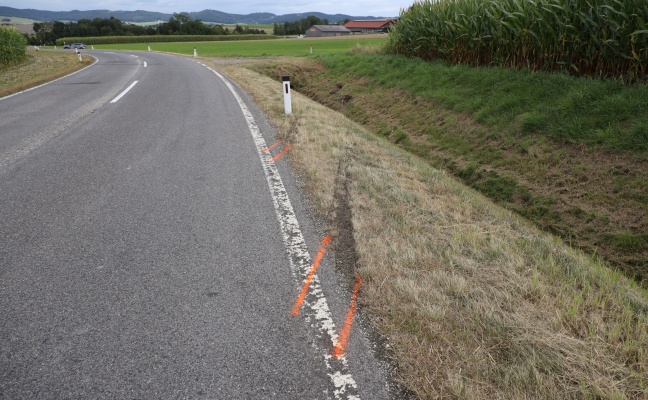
589 111
280 47
627 241
542 144
266 27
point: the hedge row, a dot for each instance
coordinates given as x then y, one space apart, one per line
12 46
159 39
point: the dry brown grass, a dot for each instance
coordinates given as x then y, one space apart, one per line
39 67
475 302
592 197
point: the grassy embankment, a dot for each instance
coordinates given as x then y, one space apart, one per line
39 67
476 302
569 154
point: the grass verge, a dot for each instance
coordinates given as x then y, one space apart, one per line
39 67
475 301
568 154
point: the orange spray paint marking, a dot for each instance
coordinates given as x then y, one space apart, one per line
338 350
278 156
267 149
311 273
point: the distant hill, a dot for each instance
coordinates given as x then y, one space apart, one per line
75 15
150 16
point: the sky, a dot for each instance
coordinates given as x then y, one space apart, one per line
377 8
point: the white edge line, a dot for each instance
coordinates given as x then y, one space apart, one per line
47 83
122 94
300 260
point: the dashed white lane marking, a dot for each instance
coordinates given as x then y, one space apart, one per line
122 94
145 64
317 312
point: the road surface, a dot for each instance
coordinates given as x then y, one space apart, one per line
147 249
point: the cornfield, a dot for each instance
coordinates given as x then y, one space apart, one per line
606 38
12 46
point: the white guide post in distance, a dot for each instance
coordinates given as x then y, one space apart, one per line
286 92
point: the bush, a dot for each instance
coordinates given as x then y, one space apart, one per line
12 46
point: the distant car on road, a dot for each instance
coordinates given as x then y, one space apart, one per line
75 46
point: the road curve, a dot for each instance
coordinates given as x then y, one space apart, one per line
141 255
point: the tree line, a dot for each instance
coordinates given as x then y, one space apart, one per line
300 27
46 33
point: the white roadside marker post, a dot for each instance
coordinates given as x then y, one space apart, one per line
149 48
286 92
195 52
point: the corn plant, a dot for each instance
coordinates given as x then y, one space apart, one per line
607 38
12 46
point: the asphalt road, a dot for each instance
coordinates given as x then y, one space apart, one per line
141 254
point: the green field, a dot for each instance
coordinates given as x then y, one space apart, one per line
266 27
279 47
17 21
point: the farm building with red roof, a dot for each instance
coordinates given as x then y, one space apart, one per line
377 25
